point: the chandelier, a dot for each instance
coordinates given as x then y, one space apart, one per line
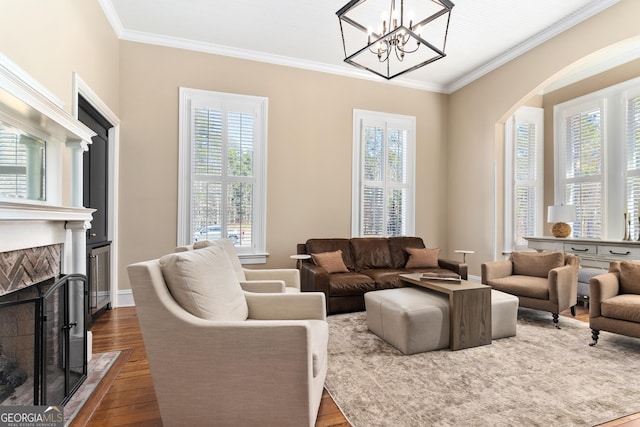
393 37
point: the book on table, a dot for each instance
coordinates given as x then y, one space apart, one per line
445 277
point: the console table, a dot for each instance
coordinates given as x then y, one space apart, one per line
592 252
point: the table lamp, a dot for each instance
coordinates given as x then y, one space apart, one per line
560 215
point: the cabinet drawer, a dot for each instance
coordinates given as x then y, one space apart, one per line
619 252
580 249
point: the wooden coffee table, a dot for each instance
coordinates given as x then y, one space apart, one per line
469 310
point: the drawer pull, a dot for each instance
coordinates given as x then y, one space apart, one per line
580 250
619 253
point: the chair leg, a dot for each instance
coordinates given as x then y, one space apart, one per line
555 321
573 311
594 336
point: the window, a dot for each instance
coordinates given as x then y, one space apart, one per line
223 170
523 176
582 178
598 160
633 165
383 174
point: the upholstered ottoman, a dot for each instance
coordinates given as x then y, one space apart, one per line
504 314
410 319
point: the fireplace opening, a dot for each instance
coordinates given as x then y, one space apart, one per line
43 352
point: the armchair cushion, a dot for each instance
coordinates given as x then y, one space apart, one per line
526 286
629 276
622 307
330 261
536 264
422 258
204 284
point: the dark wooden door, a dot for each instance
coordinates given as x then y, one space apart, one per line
96 172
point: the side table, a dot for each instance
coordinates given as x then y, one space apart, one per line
300 258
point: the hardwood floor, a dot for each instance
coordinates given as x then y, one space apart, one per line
130 399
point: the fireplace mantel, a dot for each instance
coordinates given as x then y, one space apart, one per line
18 211
28 106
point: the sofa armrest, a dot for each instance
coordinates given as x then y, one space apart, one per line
290 276
563 286
496 270
262 286
298 306
455 266
314 278
602 287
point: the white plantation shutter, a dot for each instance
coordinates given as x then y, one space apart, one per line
225 141
633 163
583 179
383 179
523 176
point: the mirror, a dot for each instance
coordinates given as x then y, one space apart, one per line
22 165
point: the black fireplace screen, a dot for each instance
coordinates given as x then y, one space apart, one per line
43 342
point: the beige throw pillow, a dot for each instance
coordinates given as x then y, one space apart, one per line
227 245
330 261
629 276
203 283
536 264
422 258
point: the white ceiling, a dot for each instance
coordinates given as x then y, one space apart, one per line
483 34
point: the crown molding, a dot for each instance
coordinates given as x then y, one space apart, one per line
572 20
112 16
198 46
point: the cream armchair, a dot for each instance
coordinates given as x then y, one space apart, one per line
222 356
253 280
615 301
543 281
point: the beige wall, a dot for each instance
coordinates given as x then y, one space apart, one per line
309 147
50 40
477 113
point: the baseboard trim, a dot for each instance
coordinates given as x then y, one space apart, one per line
125 299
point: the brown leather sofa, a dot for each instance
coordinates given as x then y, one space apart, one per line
373 263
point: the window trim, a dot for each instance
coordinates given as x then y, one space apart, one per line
257 253
403 121
612 101
533 115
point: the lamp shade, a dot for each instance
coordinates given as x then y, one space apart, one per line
561 213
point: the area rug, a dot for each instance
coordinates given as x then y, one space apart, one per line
543 376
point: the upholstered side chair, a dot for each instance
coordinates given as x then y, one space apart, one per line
543 281
219 355
253 280
615 301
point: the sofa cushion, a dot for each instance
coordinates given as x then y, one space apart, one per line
349 284
317 246
371 252
536 264
422 258
524 286
623 307
385 278
204 284
227 245
330 261
398 246
629 272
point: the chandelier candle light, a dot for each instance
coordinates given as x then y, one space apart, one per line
393 37
560 215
